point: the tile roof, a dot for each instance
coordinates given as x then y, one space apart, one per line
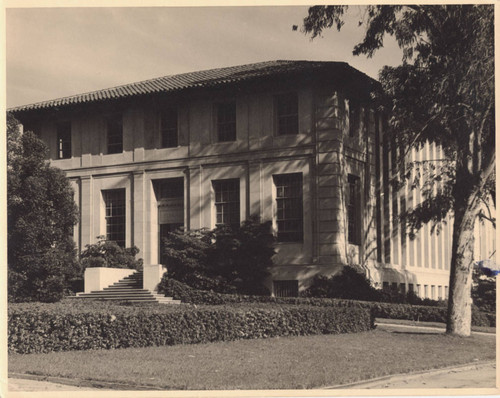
206 78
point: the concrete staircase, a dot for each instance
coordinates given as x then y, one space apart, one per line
129 289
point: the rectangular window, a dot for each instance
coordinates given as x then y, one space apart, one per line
227 202
433 292
115 215
289 214
446 292
168 128
418 290
440 292
226 121
64 140
354 118
385 286
402 288
115 134
411 289
426 291
286 288
287 114
353 210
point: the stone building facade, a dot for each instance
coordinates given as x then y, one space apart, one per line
295 142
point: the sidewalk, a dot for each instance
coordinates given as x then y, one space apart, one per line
468 376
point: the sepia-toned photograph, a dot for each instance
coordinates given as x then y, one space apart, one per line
280 200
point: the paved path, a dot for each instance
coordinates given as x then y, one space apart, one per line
35 385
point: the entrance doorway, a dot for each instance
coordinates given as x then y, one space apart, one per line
170 199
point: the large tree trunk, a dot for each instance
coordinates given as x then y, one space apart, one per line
460 301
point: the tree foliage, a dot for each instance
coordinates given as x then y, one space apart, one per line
224 260
106 253
442 93
41 215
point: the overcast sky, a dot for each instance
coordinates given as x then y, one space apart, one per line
55 52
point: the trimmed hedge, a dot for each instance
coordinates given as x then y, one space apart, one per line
422 313
40 328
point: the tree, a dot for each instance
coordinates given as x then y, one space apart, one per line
443 93
41 214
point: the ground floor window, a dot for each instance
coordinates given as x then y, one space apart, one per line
227 202
289 213
289 288
114 200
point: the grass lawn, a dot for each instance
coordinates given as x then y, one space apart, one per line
277 363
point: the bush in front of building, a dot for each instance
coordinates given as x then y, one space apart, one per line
224 260
106 253
56 327
178 290
350 283
41 214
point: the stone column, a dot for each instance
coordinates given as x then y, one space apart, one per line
139 216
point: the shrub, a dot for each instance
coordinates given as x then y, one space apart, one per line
106 253
224 260
46 328
349 284
186 294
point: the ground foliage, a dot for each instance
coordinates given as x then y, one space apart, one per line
41 214
106 253
443 93
224 260
57 327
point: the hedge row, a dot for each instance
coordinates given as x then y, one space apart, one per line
186 294
59 327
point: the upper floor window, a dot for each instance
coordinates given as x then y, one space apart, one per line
354 118
226 121
168 128
353 210
289 215
115 134
64 140
287 114
114 200
227 202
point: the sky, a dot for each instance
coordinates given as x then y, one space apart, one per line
56 52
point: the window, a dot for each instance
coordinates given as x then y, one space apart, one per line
227 202
115 134
354 118
385 286
411 288
418 290
433 292
289 214
446 292
168 128
426 291
64 140
286 288
287 114
440 292
115 215
402 288
226 121
353 210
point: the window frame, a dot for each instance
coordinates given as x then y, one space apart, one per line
281 287
286 119
169 136
287 205
227 206
64 142
353 209
112 221
225 125
110 120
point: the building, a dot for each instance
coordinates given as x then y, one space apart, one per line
295 142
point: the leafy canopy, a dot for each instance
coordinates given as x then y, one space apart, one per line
41 215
